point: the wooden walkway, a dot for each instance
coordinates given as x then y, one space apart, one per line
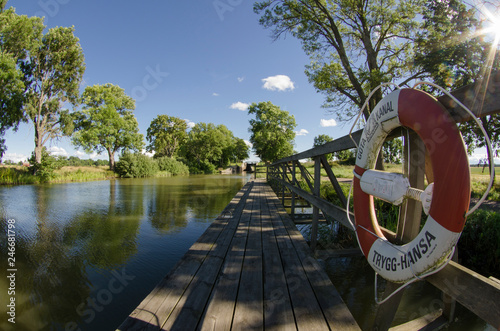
251 269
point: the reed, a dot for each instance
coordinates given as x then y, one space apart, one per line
14 175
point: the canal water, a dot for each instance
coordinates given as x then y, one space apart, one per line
86 254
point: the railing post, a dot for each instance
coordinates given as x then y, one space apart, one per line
283 177
294 181
316 192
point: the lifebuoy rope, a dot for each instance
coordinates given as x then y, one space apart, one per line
414 194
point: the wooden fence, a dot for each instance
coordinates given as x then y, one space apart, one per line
289 177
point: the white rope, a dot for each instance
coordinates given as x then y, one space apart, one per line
487 139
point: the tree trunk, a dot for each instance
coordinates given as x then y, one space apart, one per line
38 147
111 155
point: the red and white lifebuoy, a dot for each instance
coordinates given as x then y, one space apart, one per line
423 114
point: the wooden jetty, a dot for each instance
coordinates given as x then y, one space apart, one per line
251 269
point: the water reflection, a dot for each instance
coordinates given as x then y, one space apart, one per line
88 253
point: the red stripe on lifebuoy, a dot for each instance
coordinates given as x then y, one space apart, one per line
430 120
364 215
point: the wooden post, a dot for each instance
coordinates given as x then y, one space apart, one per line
283 177
408 224
334 181
316 192
294 182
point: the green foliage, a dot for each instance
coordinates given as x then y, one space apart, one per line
53 66
14 176
321 140
209 146
201 167
106 122
272 131
165 135
479 245
393 151
172 166
45 170
235 151
11 96
136 165
353 45
346 157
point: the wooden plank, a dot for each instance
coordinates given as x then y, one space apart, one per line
249 308
189 309
431 321
481 100
475 292
335 312
167 292
307 312
278 313
220 309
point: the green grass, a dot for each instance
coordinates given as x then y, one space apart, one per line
82 174
12 175
16 175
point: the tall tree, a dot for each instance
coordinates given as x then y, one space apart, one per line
165 135
207 142
239 150
52 66
16 34
353 45
106 122
272 132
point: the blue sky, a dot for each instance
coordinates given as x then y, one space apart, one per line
197 60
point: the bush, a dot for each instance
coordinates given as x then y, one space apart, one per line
201 167
172 166
479 245
45 171
136 165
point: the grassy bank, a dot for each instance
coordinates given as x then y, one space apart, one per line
17 175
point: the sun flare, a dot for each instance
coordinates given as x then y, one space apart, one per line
494 26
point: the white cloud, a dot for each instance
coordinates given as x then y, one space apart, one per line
240 106
279 83
150 154
215 94
14 157
94 155
80 154
249 144
328 123
302 132
240 79
190 123
57 151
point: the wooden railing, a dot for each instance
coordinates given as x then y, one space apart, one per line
292 181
